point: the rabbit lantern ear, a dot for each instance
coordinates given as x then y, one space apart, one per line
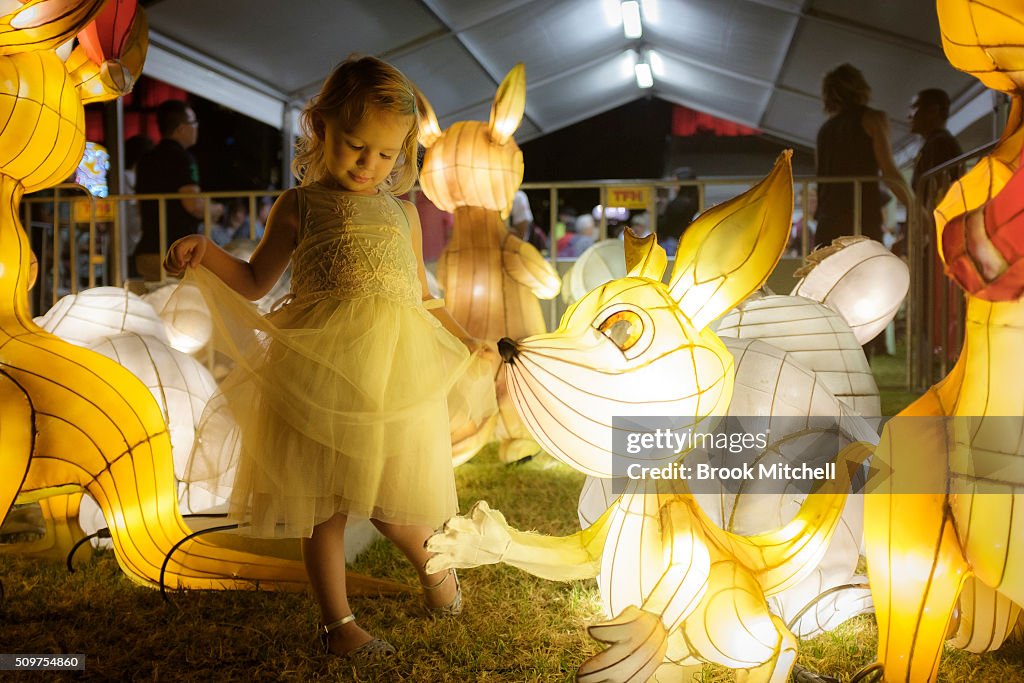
429 129
509 103
730 249
644 257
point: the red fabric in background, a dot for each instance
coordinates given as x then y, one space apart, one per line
687 122
139 110
437 226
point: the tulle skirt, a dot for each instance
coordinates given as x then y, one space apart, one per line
334 405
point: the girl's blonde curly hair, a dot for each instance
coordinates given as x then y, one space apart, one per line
358 86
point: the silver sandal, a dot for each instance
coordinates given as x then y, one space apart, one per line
452 609
372 649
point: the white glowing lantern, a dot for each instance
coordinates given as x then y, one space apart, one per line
185 314
92 314
601 263
817 337
181 385
859 279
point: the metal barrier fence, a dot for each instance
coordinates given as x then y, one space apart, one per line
940 315
70 229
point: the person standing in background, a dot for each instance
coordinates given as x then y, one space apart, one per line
854 141
521 217
234 224
929 111
522 225
169 168
681 208
437 227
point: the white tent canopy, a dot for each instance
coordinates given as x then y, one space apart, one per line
755 62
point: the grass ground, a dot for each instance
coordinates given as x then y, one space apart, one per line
891 376
515 627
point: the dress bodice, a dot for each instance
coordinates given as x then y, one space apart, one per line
353 246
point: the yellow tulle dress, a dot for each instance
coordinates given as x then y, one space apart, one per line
341 399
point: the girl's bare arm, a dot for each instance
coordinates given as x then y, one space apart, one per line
257 276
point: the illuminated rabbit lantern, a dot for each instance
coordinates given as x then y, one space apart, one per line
793 405
680 588
491 278
949 523
71 419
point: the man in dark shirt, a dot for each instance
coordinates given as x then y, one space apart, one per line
169 168
681 209
929 111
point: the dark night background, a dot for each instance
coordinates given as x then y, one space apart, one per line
647 138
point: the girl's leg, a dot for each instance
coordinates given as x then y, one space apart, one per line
324 556
410 539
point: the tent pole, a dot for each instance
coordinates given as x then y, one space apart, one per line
287 146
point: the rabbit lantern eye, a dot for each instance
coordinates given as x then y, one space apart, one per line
624 328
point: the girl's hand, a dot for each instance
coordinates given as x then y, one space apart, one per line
188 251
487 350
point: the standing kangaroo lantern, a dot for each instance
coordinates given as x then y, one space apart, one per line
72 420
492 279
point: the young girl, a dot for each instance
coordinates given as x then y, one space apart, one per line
342 395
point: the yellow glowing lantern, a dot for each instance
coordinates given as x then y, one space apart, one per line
491 278
982 39
681 589
180 384
58 518
946 525
71 419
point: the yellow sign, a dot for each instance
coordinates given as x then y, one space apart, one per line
629 197
82 211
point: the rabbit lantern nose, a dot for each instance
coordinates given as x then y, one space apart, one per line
507 349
